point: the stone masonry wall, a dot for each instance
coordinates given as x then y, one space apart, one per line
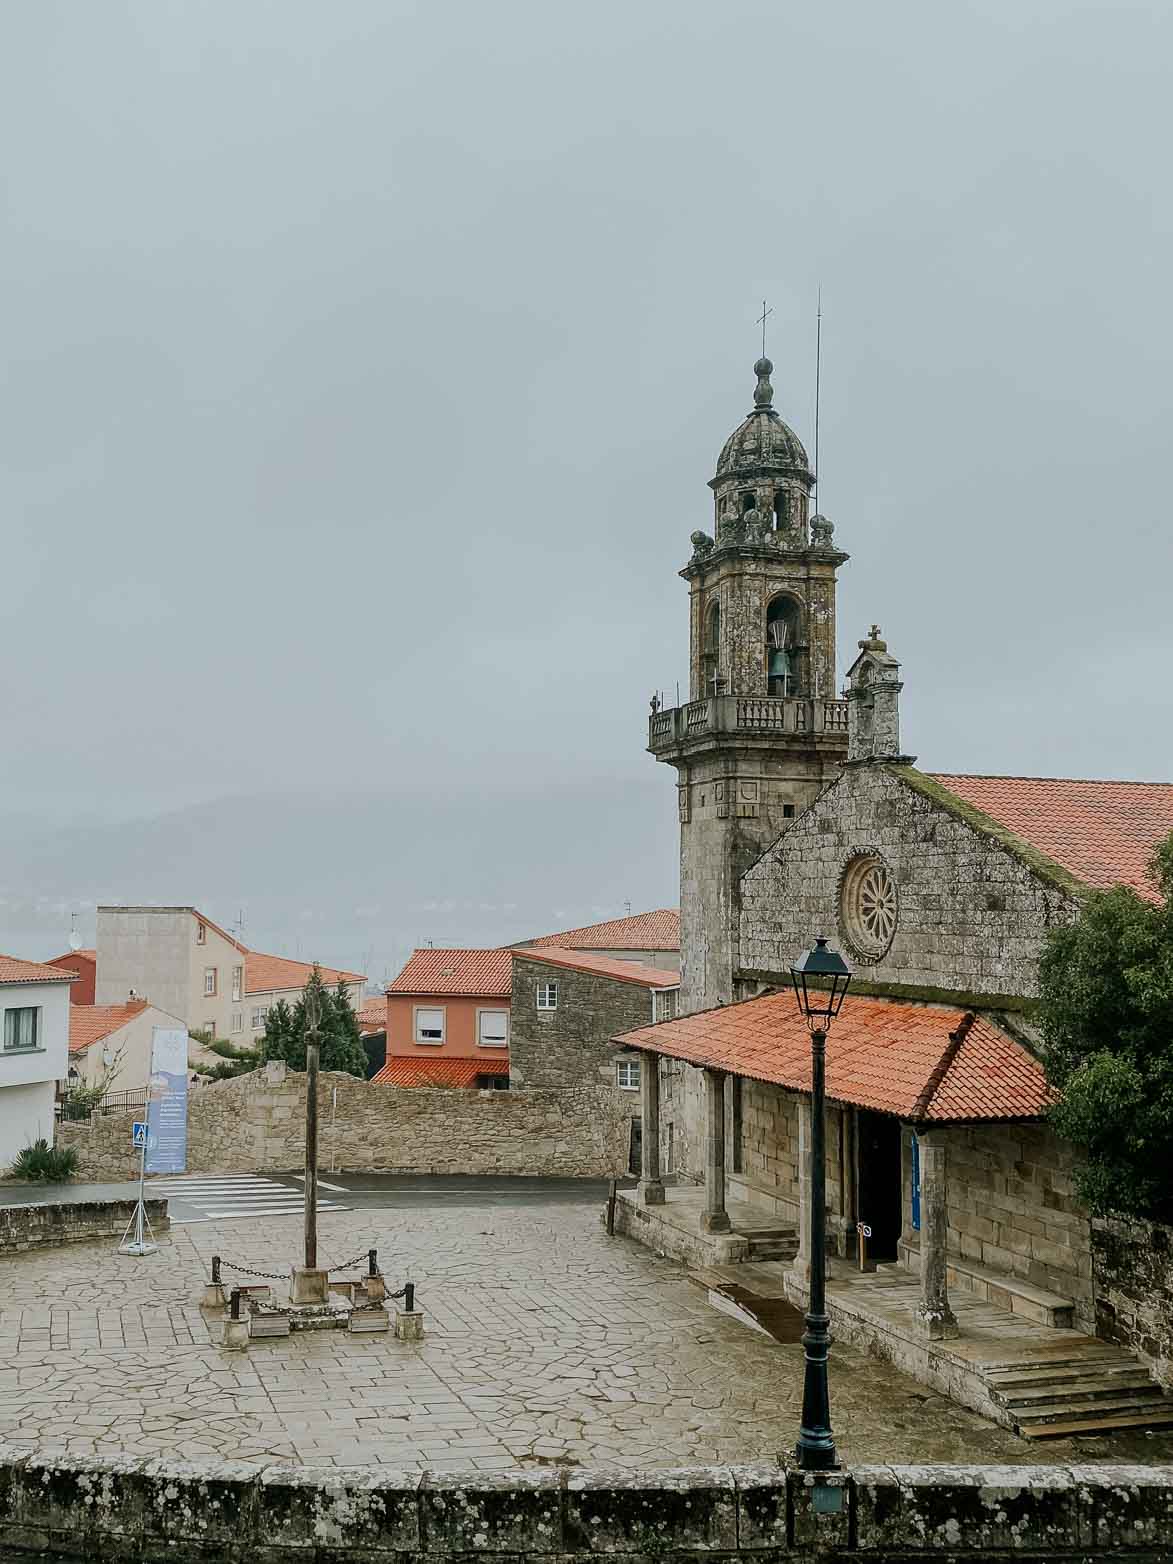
971 917
256 1123
150 1510
49 1224
1011 1207
571 1045
1132 1269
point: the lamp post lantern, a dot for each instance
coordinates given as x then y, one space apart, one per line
820 979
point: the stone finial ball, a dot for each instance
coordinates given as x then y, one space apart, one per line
763 367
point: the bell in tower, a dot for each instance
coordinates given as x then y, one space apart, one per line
762 731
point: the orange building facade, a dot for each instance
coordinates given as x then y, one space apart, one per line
448 1020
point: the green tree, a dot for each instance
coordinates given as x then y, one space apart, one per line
1106 1014
340 1048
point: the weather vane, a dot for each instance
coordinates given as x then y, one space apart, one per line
762 318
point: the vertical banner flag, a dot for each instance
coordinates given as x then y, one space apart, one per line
167 1102
915 1183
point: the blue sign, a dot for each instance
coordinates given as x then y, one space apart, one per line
167 1105
138 1134
915 1183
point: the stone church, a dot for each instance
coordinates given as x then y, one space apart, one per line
801 815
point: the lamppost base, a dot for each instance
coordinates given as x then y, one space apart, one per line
816 1452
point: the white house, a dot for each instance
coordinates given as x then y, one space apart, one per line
111 1045
34 1050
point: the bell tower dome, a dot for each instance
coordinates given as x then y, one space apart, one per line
762 731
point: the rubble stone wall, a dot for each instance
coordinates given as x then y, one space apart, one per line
1132 1268
571 1044
153 1510
256 1123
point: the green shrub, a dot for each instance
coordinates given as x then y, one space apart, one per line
43 1163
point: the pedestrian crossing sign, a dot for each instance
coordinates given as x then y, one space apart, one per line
138 1134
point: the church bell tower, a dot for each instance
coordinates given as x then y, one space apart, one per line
763 730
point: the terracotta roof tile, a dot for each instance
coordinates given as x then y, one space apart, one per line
605 966
89 1024
438 1072
267 974
659 930
881 1054
476 973
74 955
372 1014
14 970
1103 833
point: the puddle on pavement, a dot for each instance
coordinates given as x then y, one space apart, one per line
773 1317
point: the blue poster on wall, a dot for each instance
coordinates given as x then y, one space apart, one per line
167 1104
915 1183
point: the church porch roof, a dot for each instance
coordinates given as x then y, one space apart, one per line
925 1063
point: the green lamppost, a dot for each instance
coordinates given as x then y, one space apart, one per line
820 979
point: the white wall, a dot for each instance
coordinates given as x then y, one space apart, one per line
28 1077
132 1043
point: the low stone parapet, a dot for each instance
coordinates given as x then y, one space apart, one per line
152 1510
48 1224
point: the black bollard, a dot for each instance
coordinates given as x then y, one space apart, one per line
372 1262
234 1303
215 1270
409 1297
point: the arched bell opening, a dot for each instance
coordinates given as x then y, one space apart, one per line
711 649
785 644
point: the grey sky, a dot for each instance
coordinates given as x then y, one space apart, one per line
364 364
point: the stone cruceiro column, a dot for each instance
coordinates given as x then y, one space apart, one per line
934 1315
651 1185
715 1218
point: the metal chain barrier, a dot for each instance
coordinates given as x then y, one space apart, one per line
282 1276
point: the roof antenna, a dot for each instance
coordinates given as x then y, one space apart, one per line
818 377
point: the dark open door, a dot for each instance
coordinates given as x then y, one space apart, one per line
879 1182
636 1150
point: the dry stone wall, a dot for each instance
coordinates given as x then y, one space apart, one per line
256 1123
51 1223
971 914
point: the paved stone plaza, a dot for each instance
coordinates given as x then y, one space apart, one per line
547 1343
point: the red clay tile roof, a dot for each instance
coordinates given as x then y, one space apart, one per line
1103 833
14 970
658 930
481 974
890 1056
606 966
438 1072
88 1024
74 955
372 1014
265 974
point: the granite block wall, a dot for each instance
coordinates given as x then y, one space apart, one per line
1132 1271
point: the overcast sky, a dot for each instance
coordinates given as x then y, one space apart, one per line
363 364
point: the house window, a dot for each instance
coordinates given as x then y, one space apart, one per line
429 1025
209 980
547 996
238 1020
259 1019
493 1028
627 1075
201 934
210 1029
664 1004
237 984
788 811
22 1027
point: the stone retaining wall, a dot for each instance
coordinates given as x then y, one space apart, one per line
153 1510
256 1123
45 1225
1132 1264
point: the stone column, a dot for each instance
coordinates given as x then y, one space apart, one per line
934 1314
802 1260
714 1218
651 1186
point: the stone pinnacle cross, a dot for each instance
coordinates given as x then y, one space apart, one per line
762 318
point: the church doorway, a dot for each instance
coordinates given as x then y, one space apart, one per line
879 1182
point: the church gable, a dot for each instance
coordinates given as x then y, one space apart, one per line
921 891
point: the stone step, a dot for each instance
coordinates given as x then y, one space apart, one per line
1041 1393
1076 1407
1055 1381
1095 1355
1140 1418
773 1248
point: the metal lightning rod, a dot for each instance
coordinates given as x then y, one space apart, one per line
818 375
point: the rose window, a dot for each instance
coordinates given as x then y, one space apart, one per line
867 906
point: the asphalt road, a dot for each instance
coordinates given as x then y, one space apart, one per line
349 1191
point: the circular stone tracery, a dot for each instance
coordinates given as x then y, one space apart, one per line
867 906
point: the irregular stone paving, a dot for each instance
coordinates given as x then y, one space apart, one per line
547 1343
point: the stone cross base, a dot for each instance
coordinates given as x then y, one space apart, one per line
309 1286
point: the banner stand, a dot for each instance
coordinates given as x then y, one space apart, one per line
138 1239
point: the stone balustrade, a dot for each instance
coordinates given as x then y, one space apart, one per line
744 714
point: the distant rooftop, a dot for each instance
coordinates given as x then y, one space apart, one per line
478 974
605 966
659 930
